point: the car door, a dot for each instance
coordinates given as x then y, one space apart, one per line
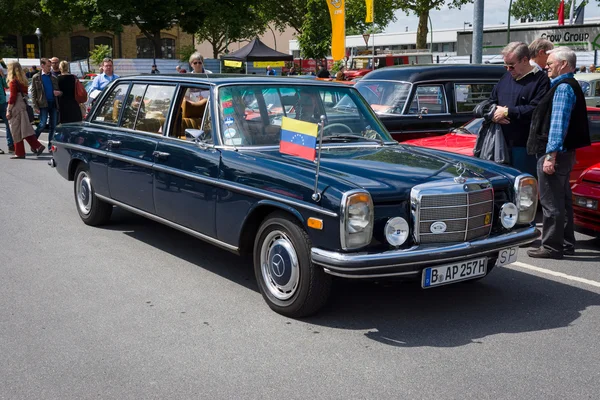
427 113
186 166
132 146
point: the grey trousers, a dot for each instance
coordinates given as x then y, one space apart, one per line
557 204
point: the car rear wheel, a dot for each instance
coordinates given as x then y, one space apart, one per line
91 209
289 282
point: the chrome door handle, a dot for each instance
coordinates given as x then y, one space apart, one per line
161 155
447 122
113 144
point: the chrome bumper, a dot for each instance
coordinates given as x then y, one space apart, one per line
411 261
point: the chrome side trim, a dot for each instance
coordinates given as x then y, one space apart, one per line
130 160
85 149
416 256
171 224
342 275
242 189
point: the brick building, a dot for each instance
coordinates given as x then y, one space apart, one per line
76 45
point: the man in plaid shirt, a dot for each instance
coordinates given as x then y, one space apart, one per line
559 126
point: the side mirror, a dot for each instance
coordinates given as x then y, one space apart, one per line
423 110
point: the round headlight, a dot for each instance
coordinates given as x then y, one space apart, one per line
508 215
396 231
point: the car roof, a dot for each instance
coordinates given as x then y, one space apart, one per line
221 79
587 77
437 72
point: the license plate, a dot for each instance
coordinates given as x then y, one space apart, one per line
450 273
507 256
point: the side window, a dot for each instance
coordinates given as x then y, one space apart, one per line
133 105
110 109
193 112
597 89
431 98
154 108
594 123
467 96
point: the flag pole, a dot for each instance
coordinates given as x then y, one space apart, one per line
316 196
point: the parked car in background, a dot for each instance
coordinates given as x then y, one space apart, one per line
590 84
462 141
182 150
427 100
586 198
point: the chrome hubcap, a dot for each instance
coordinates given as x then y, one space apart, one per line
84 192
279 265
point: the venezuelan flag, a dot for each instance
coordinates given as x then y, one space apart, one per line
298 138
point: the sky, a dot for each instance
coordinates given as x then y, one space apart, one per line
495 12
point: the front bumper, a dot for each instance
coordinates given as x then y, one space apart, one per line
410 262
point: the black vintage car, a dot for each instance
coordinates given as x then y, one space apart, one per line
211 156
424 100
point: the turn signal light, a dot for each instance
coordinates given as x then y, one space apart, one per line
315 223
53 148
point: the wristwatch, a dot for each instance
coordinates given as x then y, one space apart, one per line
549 157
506 113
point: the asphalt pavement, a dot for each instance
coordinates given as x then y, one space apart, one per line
137 310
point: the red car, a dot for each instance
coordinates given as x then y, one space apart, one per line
462 141
586 196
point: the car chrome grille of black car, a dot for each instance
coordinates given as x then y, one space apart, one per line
447 211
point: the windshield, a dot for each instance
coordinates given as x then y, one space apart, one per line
385 97
252 115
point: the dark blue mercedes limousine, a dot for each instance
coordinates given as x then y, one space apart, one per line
284 170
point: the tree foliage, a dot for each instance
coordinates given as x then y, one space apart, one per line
315 37
24 16
99 53
150 16
221 26
421 9
539 10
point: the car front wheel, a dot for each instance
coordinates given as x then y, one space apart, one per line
91 209
289 282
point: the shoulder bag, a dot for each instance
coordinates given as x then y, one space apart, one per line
28 108
81 95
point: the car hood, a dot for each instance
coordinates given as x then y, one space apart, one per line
592 174
453 142
387 172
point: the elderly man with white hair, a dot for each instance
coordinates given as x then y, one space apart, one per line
559 125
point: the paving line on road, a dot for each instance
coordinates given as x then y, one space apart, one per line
554 273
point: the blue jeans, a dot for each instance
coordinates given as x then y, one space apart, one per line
51 111
523 161
9 139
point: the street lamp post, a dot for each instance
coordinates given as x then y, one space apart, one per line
38 33
508 23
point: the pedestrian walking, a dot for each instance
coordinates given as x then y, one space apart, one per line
3 105
538 53
517 94
69 107
44 93
16 112
559 126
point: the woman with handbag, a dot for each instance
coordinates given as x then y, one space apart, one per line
4 85
68 104
20 126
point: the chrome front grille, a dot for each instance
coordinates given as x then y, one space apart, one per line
463 210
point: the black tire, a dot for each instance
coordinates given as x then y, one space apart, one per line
295 291
91 209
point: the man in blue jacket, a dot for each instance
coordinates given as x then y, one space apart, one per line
517 94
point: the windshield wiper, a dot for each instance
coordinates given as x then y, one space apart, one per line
349 138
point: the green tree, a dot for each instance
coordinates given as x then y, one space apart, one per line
150 16
99 53
24 16
185 52
539 10
222 26
421 8
315 37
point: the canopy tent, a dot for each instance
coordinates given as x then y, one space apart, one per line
257 51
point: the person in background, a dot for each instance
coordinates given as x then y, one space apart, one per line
3 105
582 69
559 127
197 63
16 112
154 70
106 77
517 94
293 71
323 72
270 71
44 93
339 76
69 108
538 53
592 69
55 62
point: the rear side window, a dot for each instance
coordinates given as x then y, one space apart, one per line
110 109
429 100
467 96
594 121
